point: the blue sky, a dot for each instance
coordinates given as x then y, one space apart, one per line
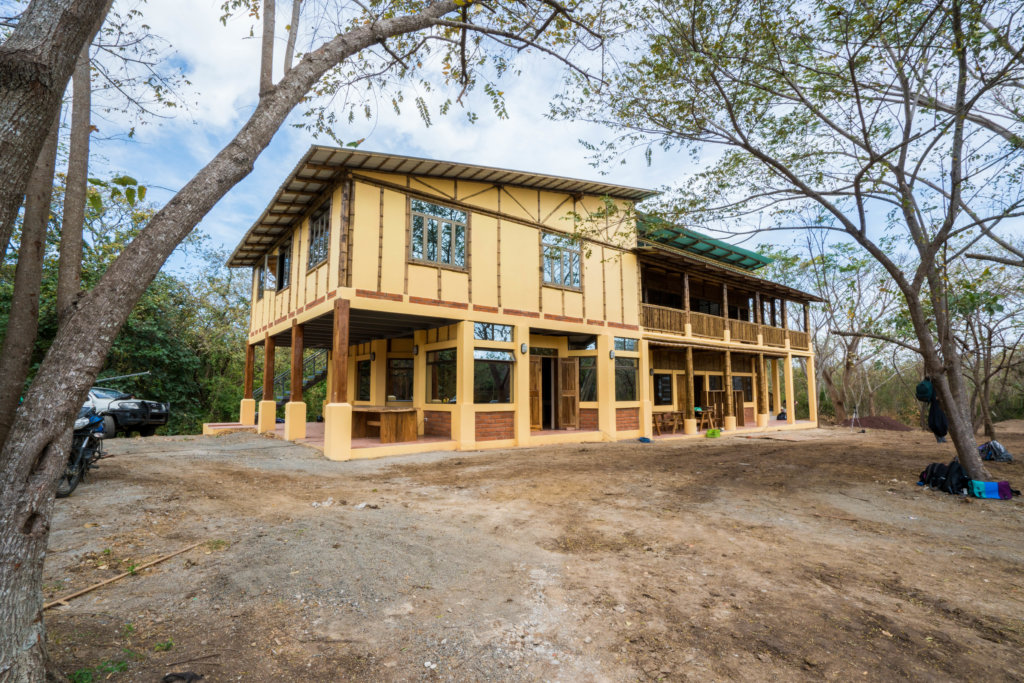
221 63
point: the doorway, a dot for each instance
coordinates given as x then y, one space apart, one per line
554 393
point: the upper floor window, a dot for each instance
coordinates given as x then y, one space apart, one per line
438 233
625 344
492 332
261 280
284 265
319 235
561 255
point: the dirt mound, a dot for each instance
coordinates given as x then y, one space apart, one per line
878 422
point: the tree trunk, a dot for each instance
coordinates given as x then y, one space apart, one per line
838 404
35 450
293 32
69 270
23 323
35 64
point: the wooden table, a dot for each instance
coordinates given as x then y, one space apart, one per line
390 424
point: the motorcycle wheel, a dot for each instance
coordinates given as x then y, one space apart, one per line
71 476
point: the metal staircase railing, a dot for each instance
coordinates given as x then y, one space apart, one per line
314 371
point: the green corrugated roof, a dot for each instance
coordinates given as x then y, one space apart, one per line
654 229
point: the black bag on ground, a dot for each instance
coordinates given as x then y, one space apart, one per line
937 420
934 476
957 482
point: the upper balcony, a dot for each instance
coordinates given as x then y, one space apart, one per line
674 320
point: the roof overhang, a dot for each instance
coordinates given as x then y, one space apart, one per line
321 167
654 229
663 256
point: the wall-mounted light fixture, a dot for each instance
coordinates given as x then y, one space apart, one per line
523 348
611 354
652 372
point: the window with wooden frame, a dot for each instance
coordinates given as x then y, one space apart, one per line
269 279
319 236
560 260
663 390
261 280
626 370
442 369
492 332
438 233
400 374
588 378
284 265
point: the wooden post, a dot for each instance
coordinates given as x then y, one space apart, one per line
771 305
268 369
690 399
762 392
339 355
729 422
807 320
785 320
250 369
725 301
686 295
757 308
295 395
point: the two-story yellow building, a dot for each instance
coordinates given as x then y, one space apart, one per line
463 307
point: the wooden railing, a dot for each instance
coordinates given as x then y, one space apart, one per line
773 336
713 326
662 318
741 330
704 325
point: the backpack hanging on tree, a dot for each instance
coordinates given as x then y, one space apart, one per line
925 392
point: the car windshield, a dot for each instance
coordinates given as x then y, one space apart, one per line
100 392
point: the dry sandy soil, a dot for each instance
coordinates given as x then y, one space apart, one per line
809 556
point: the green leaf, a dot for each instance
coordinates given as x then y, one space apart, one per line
124 180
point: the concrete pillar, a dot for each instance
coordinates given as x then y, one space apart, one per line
790 399
338 413
268 406
463 415
812 391
606 386
295 409
521 384
776 388
645 387
419 377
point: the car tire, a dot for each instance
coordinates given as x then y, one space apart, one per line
148 430
109 426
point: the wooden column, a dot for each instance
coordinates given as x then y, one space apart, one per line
730 407
268 369
339 354
762 387
295 394
771 305
807 318
785 320
250 370
758 313
689 384
686 296
725 301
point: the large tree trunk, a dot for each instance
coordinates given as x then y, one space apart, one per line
834 394
23 323
35 64
69 269
81 346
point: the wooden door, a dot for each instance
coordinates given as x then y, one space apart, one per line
682 397
536 407
568 393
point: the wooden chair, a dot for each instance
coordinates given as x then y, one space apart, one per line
707 419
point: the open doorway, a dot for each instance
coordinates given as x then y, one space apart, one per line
554 393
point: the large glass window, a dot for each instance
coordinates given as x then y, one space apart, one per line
588 378
746 385
625 378
441 369
400 373
363 380
491 332
438 233
663 390
714 382
284 265
492 376
561 255
319 235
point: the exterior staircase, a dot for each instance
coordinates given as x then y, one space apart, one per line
314 371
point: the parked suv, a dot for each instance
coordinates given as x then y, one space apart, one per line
129 413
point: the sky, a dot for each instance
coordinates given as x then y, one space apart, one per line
221 62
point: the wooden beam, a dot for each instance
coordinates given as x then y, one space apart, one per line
250 370
686 307
339 355
807 318
296 369
757 308
762 385
268 369
785 321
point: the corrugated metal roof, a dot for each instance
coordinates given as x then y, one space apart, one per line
654 229
320 166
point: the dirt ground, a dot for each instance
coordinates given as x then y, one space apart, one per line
805 556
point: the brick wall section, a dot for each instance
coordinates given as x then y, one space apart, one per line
494 426
588 419
627 419
437 423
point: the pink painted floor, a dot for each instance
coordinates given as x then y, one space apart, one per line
315 437
739 430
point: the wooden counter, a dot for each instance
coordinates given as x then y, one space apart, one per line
391 424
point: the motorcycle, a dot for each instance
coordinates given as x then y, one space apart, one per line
86 449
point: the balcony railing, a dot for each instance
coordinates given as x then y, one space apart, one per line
667 319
